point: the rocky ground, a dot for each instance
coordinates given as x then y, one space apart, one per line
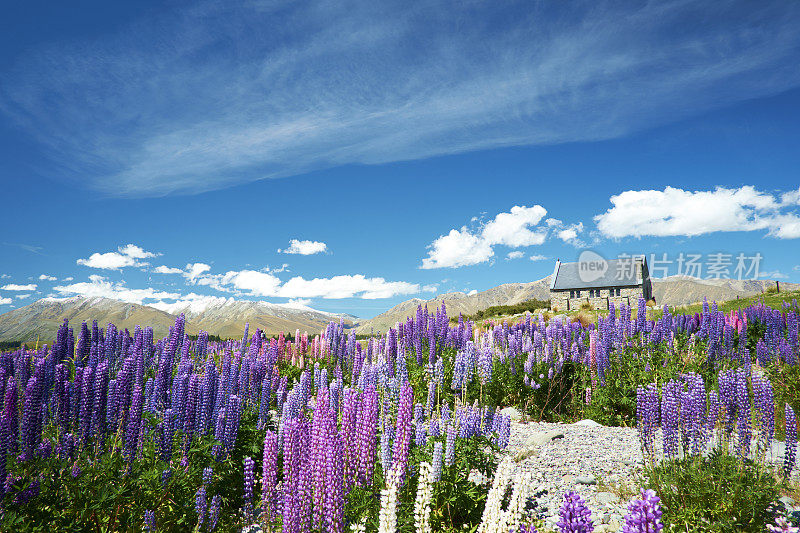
602 464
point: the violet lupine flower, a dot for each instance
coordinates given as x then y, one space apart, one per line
575 516
791 441
764 400
648 416
200 505
644 514
437 461
670 403
149 515
213 514
249 481
450 449
530 528
208 474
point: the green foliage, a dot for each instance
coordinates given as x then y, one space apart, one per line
713 494
506 310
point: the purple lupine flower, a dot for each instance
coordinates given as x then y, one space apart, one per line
213 514
648 416
530 528
575 516
208 474
149 515
644 514
743 420
134 423
165 476
450 448
249 481
367 444
402 438
791 441
334 491
269 473
200 505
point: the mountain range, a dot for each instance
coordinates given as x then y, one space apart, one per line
227 317
672 290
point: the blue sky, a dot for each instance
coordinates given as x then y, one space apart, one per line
348 156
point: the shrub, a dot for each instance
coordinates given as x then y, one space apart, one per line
713 494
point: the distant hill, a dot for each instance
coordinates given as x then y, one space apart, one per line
672 290
225 318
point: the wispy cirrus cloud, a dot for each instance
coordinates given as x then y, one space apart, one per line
224 93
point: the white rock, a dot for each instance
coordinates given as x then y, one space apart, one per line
588 422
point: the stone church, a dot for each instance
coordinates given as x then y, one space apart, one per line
619 281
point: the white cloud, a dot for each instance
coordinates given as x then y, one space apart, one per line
456 249
537 257
472 292
15 287
430 288
464 247
98 286
774 274
345 286
5 301
304 247
676 212
131 250
4 276
125 256
336 83
266 284
298 303
513 228
194 270
45 277
516 254
23 296
162 269
70 278
193 303
796 267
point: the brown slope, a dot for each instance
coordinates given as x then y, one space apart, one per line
42 318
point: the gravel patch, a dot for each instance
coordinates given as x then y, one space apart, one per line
579 458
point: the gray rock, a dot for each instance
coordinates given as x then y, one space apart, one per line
787 501
511 412
606 498
588 422
586 480
543 437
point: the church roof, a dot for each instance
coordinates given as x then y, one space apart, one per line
620 273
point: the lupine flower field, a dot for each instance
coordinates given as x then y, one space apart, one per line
108 430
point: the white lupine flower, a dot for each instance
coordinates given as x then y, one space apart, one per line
512 516
388 514
422 505
493 511
359 527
